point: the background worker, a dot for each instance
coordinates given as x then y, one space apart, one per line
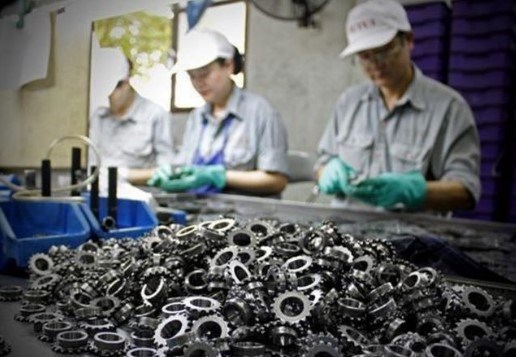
401 140
236 141
131 132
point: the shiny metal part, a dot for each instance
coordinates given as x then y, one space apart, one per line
201 348
10 293
41 264
237 311
298 265
238 271
222 225
169 328
142 352
109 341
242 238
72 339
247 349
51 329
442 350
283 336
211 327
291 307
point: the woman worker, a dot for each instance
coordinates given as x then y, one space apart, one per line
236 141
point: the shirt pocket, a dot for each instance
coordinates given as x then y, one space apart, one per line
241 158
356 151
408 157
138 143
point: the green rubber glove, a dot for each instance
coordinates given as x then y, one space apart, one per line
335 177
190 177
167 172
392 190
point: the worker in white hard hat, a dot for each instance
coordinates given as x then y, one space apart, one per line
402 140
235 142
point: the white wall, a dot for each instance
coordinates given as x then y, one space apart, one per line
296 68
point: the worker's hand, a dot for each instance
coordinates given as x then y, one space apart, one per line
190 177
167 172
393 190
335 177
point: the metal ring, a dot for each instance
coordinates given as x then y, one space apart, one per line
441 350
186 232
142 352
222 225
72 339
242 238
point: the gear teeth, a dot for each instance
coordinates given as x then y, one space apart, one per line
468 330
322 345
291 307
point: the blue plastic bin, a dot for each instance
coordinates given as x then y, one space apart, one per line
481 8
475 44
480 80
429 46
483 26
482 61
134 219
424 13
33 227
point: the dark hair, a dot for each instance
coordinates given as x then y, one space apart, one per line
238 60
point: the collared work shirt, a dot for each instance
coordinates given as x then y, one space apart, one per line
141 139
431 129
257 138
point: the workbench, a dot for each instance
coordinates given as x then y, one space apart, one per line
22 337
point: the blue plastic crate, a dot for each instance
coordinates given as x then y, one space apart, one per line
491 150
490 185
424 13
481 44
33 227
481 8
431 63
429 46
484 25
480 80
503 60
134 219
479 99
492 133
433 29
496 115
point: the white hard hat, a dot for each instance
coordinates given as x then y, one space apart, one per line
374 23
200 47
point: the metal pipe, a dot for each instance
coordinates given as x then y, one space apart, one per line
112 195
46 179
94 194
75 169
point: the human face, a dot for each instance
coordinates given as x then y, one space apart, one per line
213 81
387 64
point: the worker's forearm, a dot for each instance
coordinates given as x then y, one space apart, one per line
447 196
139 176
259 182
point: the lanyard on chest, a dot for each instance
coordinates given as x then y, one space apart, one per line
217 157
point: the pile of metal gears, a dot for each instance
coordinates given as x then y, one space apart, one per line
255 288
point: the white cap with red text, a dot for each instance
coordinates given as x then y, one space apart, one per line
374 23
